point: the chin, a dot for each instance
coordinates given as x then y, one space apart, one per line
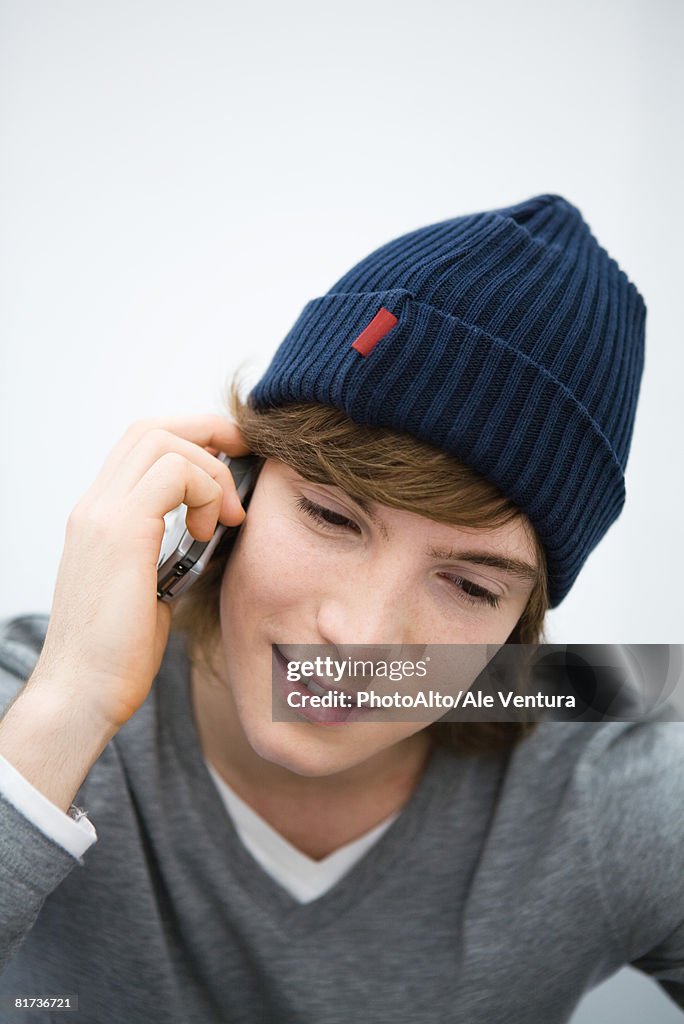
296 748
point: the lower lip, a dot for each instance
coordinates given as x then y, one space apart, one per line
318 715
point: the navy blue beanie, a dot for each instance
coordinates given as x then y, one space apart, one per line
509 339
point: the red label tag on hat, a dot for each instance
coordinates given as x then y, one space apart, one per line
381 324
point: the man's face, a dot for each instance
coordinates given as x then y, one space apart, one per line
310 566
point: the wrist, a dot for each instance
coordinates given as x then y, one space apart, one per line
53 739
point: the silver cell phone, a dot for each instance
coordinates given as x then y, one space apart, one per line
182 559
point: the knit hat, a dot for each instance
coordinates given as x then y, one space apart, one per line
509 339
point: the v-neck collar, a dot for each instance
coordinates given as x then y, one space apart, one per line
303 877
177 715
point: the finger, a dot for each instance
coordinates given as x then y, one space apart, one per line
152 446
173 479
211 430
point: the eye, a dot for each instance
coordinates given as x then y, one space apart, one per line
471 593
325 517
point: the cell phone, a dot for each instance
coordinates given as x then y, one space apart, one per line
182 559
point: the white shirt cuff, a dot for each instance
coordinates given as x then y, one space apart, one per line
73 836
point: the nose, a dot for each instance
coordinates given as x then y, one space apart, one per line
368 607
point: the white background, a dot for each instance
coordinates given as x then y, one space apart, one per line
178 179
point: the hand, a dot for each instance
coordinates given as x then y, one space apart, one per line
108 631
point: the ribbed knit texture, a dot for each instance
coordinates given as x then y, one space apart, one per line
518 348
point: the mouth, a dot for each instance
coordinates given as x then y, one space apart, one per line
342 704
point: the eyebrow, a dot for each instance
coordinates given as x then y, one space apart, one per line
512 566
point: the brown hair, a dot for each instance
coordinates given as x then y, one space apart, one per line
378 465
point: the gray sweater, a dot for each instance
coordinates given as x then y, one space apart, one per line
508 885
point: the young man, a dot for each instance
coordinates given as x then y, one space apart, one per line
442 441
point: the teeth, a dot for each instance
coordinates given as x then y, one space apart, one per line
321 691
315 688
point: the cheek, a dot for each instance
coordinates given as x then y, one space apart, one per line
271 566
